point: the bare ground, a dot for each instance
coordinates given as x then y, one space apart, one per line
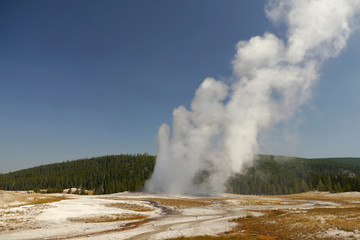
313 215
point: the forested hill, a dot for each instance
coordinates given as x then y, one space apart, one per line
286 175
107 174
116 173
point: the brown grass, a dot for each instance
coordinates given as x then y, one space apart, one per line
223 237
108 218
274 224
45 199
129 206
301 224
17 199
278 224
11 219
264 201
182 203
322 196
296 224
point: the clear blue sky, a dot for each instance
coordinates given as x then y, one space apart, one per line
89 78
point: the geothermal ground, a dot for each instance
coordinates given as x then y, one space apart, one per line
312 215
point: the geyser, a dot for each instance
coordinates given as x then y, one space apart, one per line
274 77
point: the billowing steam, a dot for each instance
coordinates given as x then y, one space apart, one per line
273 78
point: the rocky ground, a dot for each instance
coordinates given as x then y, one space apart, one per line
313 215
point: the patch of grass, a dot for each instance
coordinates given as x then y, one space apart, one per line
263 201
323 196
301 225
40 199
182 203
226 237
290 224
108 218
347 219
130 206
17 199
16 219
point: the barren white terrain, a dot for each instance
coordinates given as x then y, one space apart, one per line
127 215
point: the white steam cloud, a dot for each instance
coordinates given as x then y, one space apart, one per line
274 77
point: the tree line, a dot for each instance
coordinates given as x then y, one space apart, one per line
282 175
106 174
116 173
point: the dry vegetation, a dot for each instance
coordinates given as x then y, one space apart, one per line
13 220
323 196
108 218
310 224
17 199
129 206
320 222
182 203
300 216
257 201
237 237
306 224
12 217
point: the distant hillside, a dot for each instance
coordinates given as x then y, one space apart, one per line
116 173
286 175
107 174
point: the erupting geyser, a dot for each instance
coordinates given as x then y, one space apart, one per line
274 77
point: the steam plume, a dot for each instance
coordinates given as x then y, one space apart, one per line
274 77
